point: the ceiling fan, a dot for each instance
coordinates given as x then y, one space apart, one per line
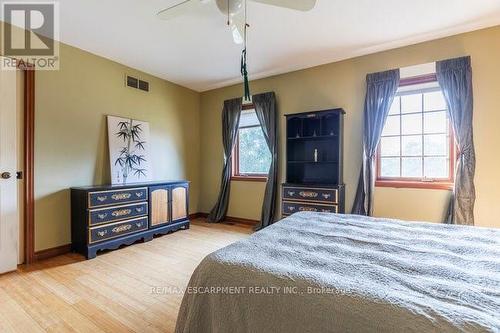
234 10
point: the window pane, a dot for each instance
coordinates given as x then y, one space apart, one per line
412 145
411 124
436 167
391 126
435 145
411 103
395 106
389 167
435 122
417 130
390 146
434 101
412 167
254 154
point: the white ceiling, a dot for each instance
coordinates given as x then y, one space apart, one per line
197 51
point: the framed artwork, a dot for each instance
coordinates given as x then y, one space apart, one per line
130 156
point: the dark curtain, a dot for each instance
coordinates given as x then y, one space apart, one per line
455 79
230 123
380 90
265 108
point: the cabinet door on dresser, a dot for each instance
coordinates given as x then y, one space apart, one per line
159 205
179 202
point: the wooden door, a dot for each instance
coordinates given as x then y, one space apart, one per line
9 227
159 198
179 203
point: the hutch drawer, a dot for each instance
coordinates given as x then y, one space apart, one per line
311 194
291 207
115 197
113 230
117 213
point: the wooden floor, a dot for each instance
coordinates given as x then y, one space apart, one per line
119 291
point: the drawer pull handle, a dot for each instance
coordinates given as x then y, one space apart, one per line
291 193
139 209
101 199
308 209
121 196
139 194
139 225
308 194
326 196
102 216
121 212
326 211
122 228
102 233
291 208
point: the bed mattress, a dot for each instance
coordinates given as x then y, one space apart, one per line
320 272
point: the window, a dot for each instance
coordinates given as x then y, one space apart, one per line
417 144
251 155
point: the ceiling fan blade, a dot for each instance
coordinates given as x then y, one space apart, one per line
302 5
179 9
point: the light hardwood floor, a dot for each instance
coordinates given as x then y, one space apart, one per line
115 291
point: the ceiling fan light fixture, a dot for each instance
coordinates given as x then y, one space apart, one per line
231 7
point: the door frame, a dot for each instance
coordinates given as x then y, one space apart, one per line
29 162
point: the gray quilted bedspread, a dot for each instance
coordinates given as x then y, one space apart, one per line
319 272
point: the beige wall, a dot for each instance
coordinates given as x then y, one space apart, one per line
71 143
71 137
342 84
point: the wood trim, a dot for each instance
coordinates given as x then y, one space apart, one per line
241 220
421 79
29 164
243 178
195 216
235 160
52 252
227 219
414 184
247 107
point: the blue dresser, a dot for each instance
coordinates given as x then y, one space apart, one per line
107 217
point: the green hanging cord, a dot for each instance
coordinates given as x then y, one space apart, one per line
243 69
244 73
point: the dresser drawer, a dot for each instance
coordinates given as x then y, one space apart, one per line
311 194
117 213
118 229
114 197
290 207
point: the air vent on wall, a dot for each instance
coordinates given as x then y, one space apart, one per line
143 85
135 83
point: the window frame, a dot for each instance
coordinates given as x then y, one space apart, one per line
409 182
235 170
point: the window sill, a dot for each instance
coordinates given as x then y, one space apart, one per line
262 179
415 184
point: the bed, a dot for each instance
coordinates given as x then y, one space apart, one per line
320 272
